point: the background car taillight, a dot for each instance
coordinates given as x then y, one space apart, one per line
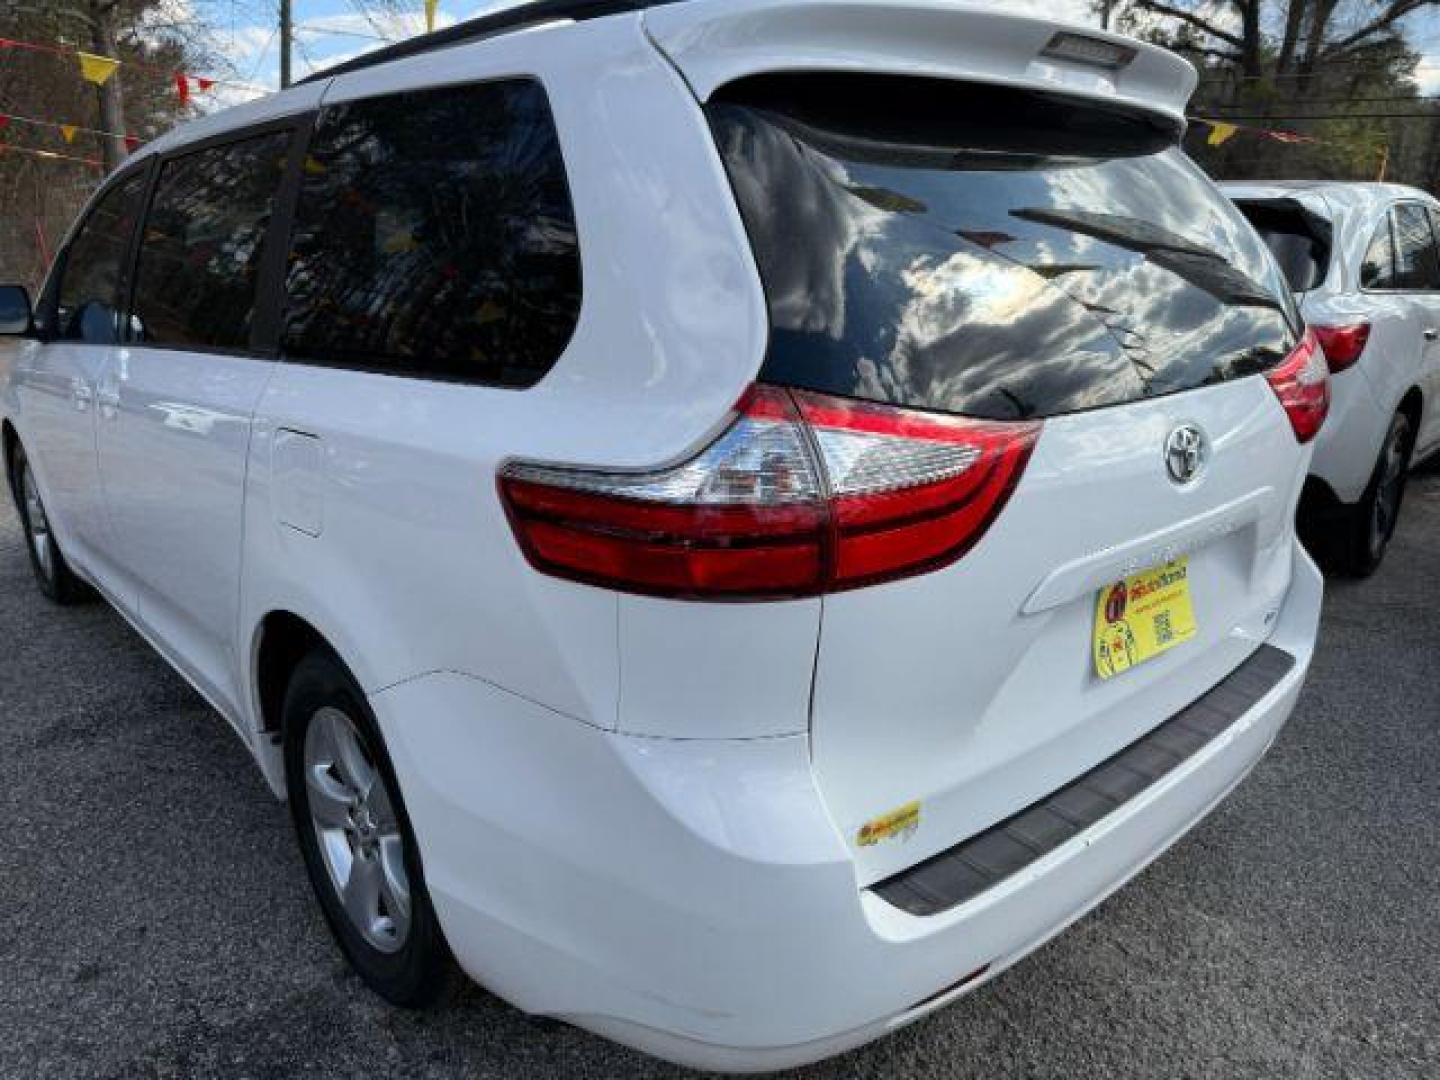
1302 383
1343 344
802 494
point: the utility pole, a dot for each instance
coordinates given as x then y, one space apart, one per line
287 34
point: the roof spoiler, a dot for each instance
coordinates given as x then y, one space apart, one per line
714 42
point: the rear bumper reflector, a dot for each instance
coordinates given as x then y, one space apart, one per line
972 866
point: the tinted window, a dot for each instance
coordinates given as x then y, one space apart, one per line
435 237
1417 266
1377 269
990 251
1298 238
203 239
90 280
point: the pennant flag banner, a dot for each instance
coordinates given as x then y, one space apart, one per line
99 69
96 69
1288 137
1220 132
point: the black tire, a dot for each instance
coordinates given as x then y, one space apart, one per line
419 969
52 573
1365 530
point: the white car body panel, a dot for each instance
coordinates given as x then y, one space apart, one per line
640 814
1398 359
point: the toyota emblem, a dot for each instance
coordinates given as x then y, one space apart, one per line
1185 452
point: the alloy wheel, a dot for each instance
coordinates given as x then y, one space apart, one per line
37 525
358 831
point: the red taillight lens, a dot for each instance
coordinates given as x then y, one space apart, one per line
757 514
909 491
1343 344
1302 383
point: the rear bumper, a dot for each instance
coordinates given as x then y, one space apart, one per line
1349 443
693 899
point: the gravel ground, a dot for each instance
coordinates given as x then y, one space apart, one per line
157 921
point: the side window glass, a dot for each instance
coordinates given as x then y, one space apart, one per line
1377 269
201 248
435 237
1417 265
91 278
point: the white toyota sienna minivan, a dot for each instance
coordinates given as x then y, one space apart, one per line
736 519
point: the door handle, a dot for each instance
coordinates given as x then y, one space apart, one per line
1431 333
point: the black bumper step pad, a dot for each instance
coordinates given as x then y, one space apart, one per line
966 870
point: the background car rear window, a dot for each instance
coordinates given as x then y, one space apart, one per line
435 238
91 273
1297 237
989 251
201 248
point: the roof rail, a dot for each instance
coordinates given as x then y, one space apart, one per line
497 23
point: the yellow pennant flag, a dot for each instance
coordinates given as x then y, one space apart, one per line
1219 132
68 131
430 6
96 69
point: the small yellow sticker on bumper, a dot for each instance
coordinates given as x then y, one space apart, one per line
901 823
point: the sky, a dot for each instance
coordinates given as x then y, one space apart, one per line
328 31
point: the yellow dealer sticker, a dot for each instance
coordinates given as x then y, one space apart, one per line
901 822
1143 616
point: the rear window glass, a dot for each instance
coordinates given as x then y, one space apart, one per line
989 251
1298 238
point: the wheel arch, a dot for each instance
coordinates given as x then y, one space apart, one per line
9 440
282 640
1412 406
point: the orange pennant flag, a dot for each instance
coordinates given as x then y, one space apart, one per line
67 132
96 69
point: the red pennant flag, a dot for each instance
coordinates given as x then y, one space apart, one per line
205 84
4 121
131 142
182 87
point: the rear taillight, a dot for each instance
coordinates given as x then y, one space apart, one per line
1302 383
802 494
1343 344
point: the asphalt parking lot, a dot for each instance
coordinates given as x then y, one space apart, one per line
155 919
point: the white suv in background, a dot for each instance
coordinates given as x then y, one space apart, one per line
1364 262
739 520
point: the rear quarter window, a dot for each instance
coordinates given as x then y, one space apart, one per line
989 251
435 237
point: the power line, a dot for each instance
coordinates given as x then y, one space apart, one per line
1330 116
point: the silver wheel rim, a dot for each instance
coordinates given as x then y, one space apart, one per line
359 835
1387 496
37 525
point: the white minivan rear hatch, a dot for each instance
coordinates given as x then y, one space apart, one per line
1016 256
